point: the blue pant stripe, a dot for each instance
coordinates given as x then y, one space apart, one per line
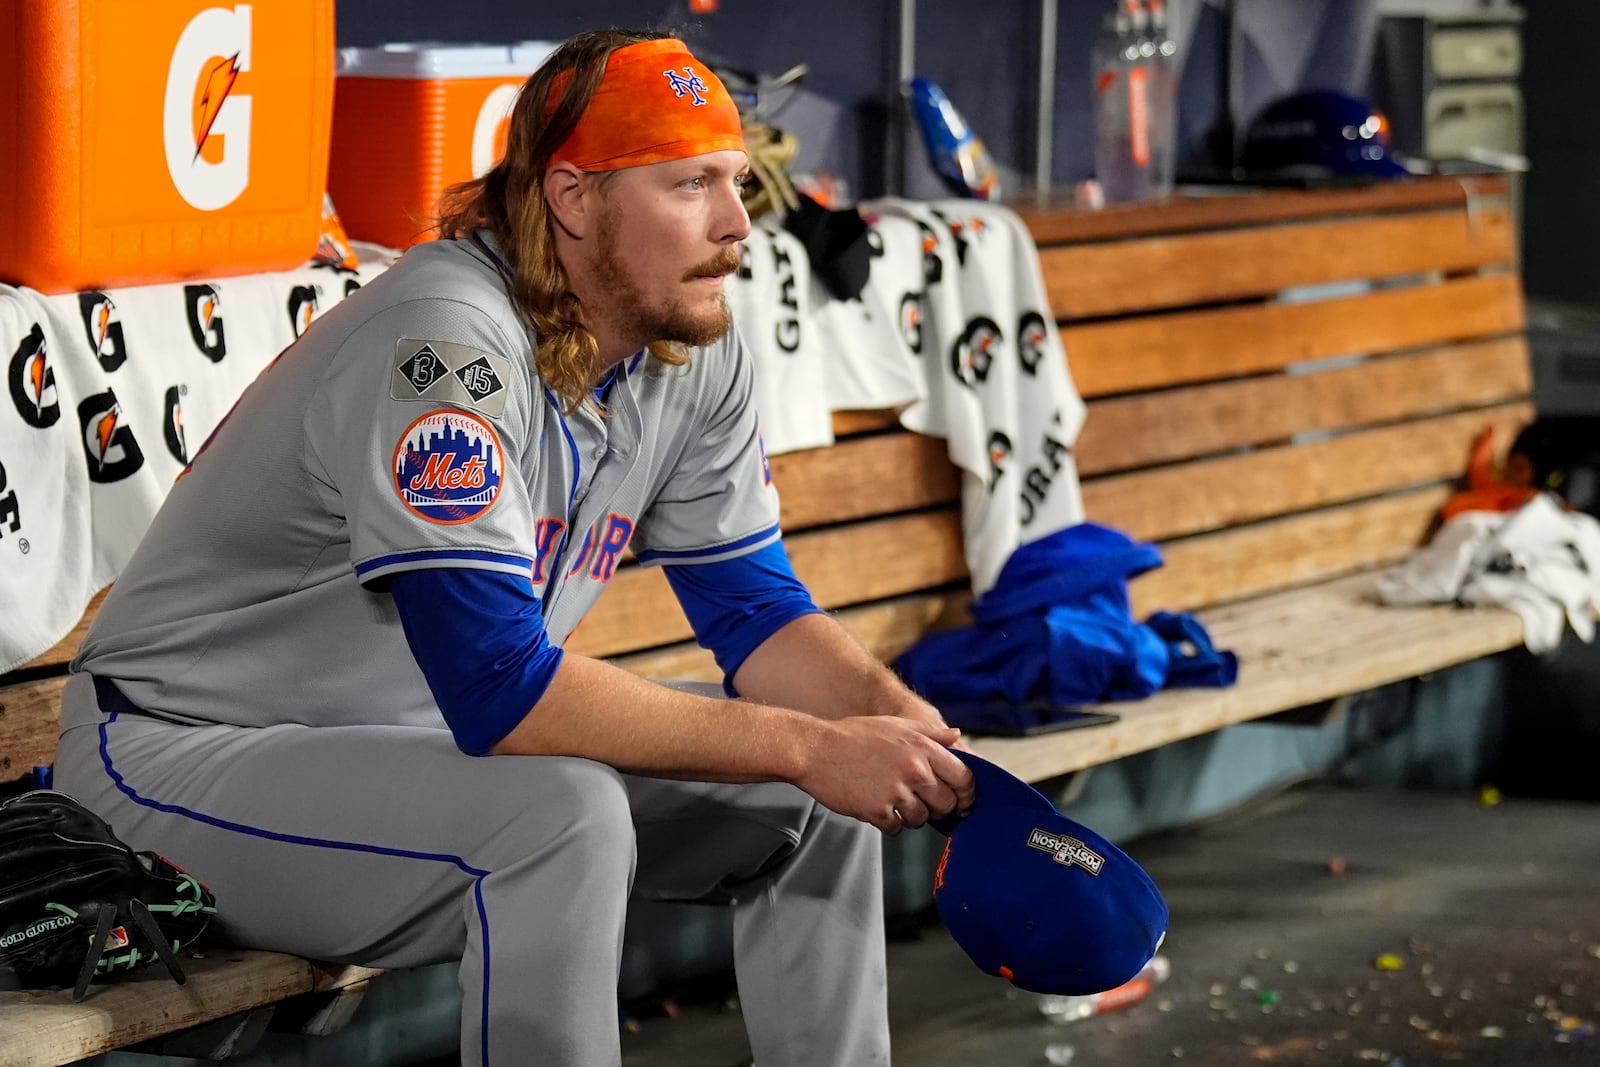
317 842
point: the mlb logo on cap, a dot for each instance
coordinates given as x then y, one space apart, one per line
1038 899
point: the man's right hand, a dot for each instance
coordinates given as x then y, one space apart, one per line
887 771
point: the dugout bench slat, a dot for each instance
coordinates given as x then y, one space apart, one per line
45 1028
1085 281
1286 553
1155 351
875 558
1189 498
1220 417
1058 223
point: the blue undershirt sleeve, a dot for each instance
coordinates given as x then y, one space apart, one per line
479 638
736 604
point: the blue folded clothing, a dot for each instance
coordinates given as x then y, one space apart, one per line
1057 628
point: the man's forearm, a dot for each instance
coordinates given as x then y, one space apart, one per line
813 664
601 712
891 772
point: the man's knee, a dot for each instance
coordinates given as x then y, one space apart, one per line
568 807
848 836
829 841
795 814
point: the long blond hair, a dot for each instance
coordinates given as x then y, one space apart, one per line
509 202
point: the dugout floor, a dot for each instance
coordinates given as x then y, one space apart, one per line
1493 913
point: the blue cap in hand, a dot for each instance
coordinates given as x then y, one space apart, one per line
1038 899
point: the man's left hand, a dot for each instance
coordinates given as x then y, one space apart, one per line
914 707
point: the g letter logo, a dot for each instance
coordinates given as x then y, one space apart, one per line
206 125
489 131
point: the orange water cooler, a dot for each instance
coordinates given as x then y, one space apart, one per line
162 139
410 120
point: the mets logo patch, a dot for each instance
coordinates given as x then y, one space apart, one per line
448 467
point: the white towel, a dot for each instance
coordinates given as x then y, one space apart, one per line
996 382
774 305
867 349
954 329
1541 561
110 392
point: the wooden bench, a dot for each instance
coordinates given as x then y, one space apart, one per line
1281 389
1278 441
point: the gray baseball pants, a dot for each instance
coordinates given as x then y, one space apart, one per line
388 847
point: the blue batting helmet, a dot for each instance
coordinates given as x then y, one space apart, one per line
1320 133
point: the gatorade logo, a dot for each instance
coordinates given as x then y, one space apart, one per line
973 353
205 123
205 320
489 131
999 454
10 511
957 230
1031 338
302 308
33 381
104 328
932 265
108 443
911 315
172 424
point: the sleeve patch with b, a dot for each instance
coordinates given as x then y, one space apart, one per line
448 467
442 372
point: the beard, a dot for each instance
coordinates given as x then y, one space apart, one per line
672 321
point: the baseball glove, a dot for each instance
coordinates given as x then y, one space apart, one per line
75 902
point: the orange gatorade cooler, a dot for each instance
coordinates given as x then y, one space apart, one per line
161 139
410 120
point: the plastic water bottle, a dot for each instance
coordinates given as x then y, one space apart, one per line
1065 1009
1121 109
1139 27
1163 100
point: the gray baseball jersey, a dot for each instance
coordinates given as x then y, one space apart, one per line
405 430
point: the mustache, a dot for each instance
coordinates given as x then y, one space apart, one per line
724 262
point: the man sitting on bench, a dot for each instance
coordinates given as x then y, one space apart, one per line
361 585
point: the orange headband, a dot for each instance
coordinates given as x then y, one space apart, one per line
655 102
